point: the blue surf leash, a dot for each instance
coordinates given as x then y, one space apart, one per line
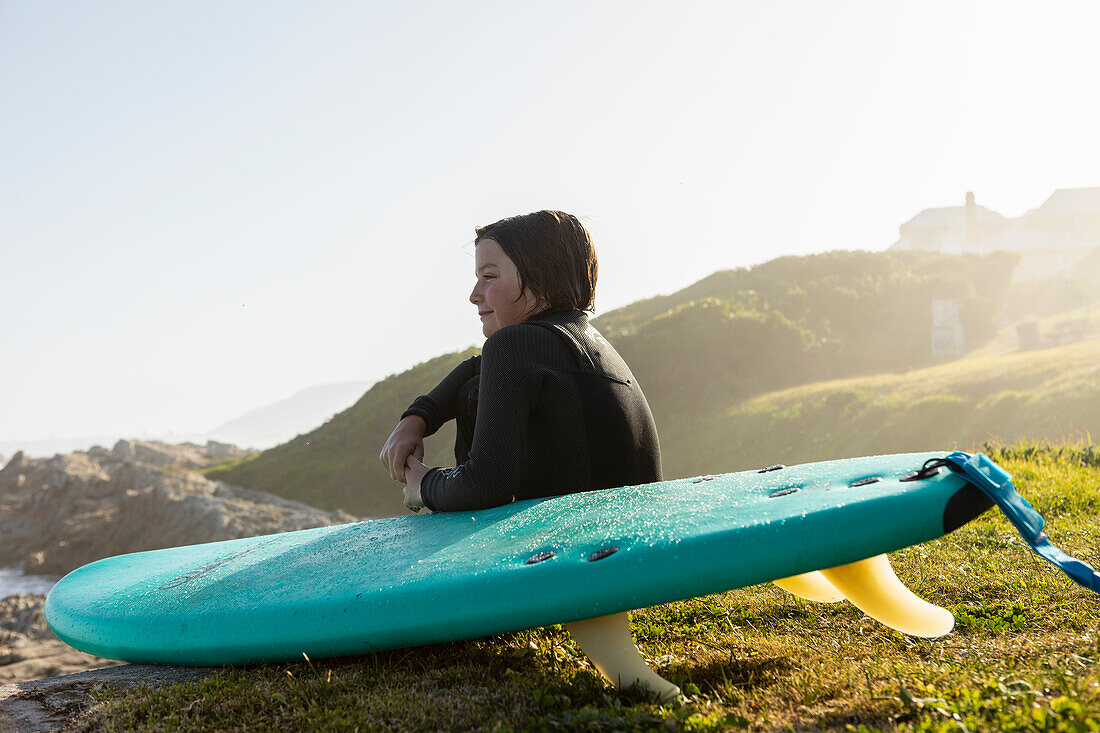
996 483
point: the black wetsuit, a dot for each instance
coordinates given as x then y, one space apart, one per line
548 408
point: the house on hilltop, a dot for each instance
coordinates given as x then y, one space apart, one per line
1050 239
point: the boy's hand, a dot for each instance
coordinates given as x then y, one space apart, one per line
414 472
407 439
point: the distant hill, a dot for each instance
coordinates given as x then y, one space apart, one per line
277 423
698 353
260 428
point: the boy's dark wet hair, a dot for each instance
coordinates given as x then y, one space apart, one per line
554 256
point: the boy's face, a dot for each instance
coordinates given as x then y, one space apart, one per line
497 294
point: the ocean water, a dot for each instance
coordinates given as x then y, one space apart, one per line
13 581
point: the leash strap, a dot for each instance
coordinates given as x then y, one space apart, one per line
997 485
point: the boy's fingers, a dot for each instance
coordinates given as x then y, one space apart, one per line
401 464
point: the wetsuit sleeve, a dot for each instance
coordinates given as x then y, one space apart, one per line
441 404
509 390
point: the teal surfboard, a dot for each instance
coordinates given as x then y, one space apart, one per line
429 578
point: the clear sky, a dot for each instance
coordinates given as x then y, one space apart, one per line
208 206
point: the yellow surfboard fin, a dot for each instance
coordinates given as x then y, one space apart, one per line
872 586
812 586
607 642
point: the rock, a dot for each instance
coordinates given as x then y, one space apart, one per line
56 704
99 453
60 513
22 614
17 462
214 449
155 453
29 650
123 450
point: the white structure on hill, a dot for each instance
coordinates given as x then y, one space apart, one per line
1050 239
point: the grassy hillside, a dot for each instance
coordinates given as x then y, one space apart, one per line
732 337
1012 396
1022 656
1074 288
798 319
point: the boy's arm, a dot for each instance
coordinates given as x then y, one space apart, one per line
441 404
509 390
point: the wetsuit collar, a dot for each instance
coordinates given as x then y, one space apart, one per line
578 317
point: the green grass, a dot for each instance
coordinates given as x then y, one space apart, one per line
1006 397
228 463
1023 655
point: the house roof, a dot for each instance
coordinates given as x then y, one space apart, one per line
951 216
1070 201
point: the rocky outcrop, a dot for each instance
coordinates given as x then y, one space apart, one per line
181 455
59 513
70 702
29 650
21 616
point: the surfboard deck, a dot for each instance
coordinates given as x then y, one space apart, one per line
428 578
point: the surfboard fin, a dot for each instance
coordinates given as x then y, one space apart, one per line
872 587
607 642
812 586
